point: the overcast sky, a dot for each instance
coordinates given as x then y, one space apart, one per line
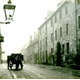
28 16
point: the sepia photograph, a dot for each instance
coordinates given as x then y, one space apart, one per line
39 39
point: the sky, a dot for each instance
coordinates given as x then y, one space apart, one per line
28 16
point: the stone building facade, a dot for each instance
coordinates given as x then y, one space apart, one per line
60 27
64 28
45 32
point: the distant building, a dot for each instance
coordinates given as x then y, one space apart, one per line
31 51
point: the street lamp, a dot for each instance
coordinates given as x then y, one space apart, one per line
9 12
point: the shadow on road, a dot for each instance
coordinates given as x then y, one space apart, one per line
15 69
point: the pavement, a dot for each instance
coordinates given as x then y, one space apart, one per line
58 68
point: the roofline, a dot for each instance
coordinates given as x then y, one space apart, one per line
53 14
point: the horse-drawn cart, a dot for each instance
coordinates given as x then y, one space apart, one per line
16 59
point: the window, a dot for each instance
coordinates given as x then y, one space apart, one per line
56 35
79 45
46 41
66 10
46 27
51 22
60 14
46 57
60 32
55 19
67 48
79 21
51 37
43 29
40 56
43 42
63 48
51 50
43 56
40 44
67 28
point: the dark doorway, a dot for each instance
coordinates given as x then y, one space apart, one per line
46 57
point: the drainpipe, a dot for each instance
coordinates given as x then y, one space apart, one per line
76 27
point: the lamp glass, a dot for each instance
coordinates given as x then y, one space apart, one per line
9 14
9 11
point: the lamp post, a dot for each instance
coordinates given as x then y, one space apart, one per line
9 12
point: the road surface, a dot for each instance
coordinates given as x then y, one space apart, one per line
30 71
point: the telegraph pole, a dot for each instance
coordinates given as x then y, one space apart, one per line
1 40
